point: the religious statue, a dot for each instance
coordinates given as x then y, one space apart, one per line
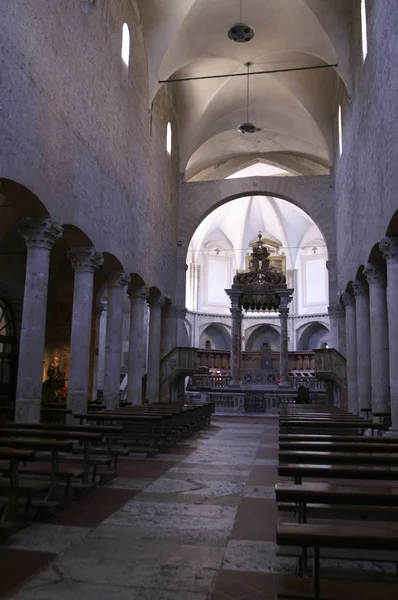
54 385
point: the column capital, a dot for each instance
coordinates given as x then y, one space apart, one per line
101 307
118 280
156 302
177 312
40 232
85 260
336 311
348 299
236 312
359 288
138 295
283 312
389 248
375 275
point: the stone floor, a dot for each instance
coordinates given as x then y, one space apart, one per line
195 524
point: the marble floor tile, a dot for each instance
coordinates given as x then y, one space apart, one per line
159 566
41 589
196 468
160 521
259 491
185 487
266 462
202 475
256 556
46 538
129 483
232 501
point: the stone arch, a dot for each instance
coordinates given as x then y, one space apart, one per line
17 201
312 336
392 229
313 195
218 336
263 334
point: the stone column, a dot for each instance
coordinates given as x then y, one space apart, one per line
137 344
96 356
85 262
341 337
155 327
334 334
380 372
363 345
113 346
40 236
351 344
389 247
284 350
236 341
101 348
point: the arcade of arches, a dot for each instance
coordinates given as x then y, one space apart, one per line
129 200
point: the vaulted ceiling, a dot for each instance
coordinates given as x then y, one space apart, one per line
295 111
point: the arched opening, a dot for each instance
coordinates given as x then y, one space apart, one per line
7 354
169 138
313 337
125 44
264 337
222 242
215 337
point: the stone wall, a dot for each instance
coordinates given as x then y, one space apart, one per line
77 131
366 175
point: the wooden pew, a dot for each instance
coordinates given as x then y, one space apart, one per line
10 482
375 536
146 430
332 458
335 437
332 446
334 494
332 471
57 438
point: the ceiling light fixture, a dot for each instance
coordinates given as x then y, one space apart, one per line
241 32
248 127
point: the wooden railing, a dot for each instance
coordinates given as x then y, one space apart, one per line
179 362
214 382
220 359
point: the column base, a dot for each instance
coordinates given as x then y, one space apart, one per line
392 432
234 384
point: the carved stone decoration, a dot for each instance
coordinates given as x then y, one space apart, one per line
389 248
348 299
375 275
85 259
359 288
262 288
40 233
260 273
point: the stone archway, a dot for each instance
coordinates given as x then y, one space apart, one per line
312 336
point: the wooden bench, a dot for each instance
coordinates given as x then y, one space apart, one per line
334 494
11 483
143 430
328 471
317 536
50 437
331 446
353 458
335 437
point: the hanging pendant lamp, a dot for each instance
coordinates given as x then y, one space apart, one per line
248 127
241 32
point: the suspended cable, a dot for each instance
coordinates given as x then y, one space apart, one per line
268 72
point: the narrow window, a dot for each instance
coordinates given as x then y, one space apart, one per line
168 138
364 26
340 131
126 44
